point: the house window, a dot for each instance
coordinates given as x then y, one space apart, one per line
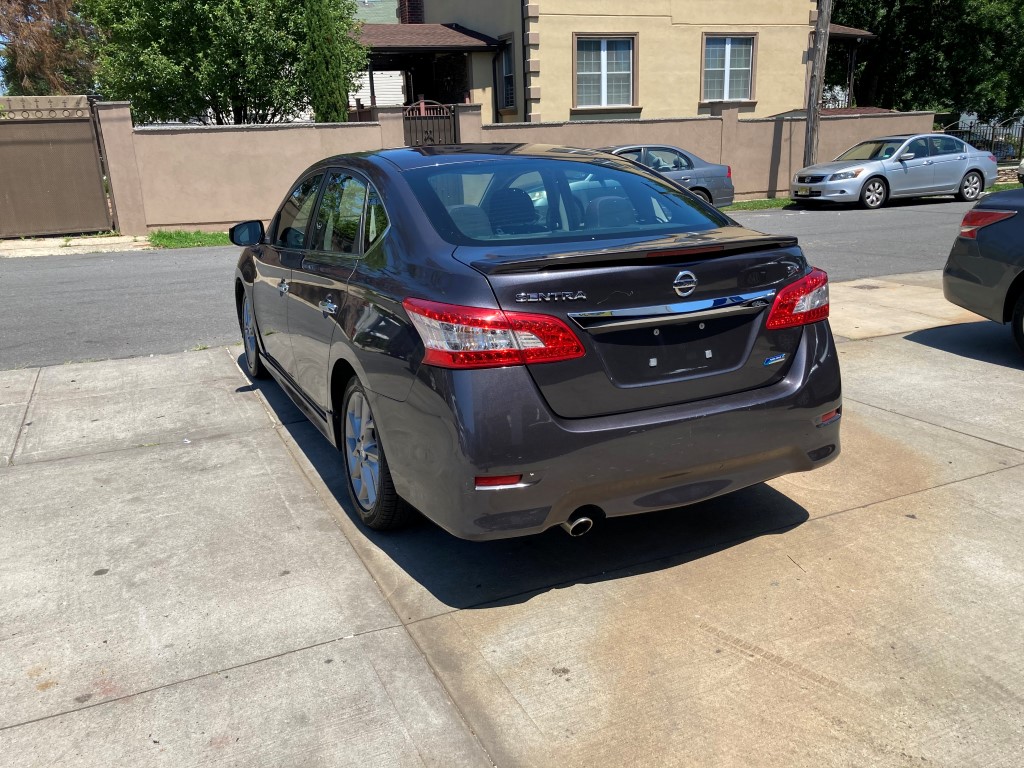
728 68
508 78
604 72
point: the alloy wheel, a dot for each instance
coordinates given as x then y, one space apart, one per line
874 193
971 186
249 332
362 451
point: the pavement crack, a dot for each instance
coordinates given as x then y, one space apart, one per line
203 676
24 418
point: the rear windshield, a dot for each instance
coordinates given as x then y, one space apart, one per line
525 199
872 150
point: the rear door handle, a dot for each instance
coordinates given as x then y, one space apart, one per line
685 178
328 307
282 287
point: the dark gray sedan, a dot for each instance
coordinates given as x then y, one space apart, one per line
711 182
985 269
506 363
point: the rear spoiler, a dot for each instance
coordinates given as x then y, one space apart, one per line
689 247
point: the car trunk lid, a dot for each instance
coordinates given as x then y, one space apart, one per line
663 322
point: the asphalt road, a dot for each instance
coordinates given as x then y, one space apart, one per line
57 309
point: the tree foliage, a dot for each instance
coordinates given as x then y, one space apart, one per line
332 57
219 61
45 48
963 55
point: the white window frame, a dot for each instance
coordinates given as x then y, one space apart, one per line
604 70
726 96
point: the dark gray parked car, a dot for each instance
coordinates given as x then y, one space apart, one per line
985 269
711 182
506 364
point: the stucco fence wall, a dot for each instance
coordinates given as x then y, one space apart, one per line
210 177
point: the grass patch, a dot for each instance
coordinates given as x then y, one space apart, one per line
1002 187
759 205
177 238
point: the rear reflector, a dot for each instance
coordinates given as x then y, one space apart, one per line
976 219
497 481
728 171
472 337
803 302
828 417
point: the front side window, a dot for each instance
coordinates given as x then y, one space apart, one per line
508 78
604 72
341 210
293 218
728 68
919 147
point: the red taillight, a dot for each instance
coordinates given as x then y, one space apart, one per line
994 159
472 337
803 302
976 219
728 171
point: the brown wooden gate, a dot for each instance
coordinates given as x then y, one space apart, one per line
51 181
428 122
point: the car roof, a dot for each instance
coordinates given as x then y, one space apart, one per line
409 158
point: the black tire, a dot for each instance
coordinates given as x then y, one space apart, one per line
367 475
702 195
250 336
1018 322
874 193
971 187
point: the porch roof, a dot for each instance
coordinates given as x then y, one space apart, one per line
424 38
839 32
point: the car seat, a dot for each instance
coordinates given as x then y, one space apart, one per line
511 212
609 212
471 220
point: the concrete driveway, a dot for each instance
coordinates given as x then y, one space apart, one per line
181 583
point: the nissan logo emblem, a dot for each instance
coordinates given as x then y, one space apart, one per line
685 283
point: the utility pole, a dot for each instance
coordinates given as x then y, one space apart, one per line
817 83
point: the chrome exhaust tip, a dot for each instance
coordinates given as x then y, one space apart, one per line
577 526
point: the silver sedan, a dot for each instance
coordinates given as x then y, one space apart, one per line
898 166
711 182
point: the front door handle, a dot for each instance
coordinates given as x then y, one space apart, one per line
328 307
282 287
929 162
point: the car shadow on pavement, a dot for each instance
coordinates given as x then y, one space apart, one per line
467 574
985 341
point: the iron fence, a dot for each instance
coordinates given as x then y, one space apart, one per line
1005 140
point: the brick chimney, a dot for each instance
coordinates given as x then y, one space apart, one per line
410 11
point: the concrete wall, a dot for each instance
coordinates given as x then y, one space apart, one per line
212 177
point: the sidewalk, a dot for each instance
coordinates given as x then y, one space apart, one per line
181 583
57 246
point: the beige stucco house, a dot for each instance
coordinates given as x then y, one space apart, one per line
560 60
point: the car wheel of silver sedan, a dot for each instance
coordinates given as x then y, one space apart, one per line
970 187
874 193
369 480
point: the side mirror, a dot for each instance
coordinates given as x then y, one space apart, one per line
907 156
247 233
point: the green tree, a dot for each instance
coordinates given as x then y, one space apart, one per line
206 61
332 57
44 48
945 54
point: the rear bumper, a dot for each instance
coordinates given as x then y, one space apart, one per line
977 283
457 425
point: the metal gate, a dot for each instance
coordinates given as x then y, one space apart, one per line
52 182
428 122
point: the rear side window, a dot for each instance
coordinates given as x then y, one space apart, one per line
517 200
293 218
337 220
945 145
